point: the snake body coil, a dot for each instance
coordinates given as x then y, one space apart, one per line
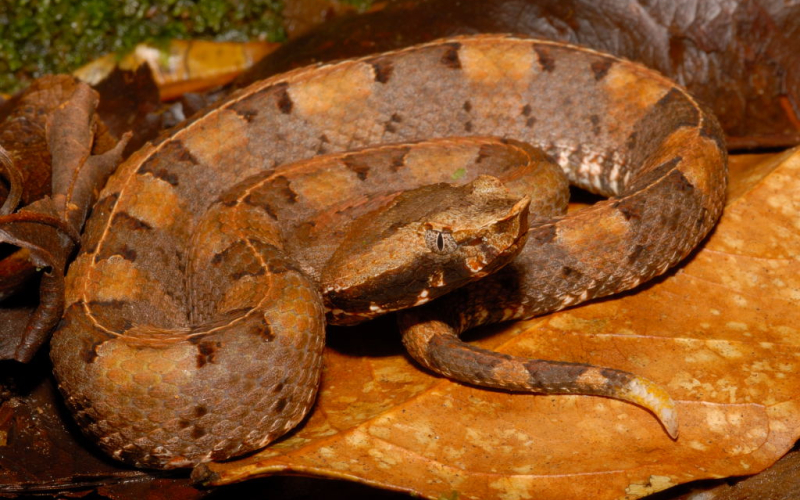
192 334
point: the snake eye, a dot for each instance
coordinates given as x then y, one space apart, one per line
440 242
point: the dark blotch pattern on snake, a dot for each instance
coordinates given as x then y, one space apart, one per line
193 332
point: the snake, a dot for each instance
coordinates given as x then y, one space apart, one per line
196 307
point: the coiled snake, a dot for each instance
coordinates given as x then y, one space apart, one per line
195 324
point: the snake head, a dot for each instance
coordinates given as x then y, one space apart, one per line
422 244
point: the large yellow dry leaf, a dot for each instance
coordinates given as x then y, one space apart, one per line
721 334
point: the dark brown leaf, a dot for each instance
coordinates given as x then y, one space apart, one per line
22 132
129 102
13 175
77 175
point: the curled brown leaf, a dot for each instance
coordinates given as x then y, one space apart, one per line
59 129
14 178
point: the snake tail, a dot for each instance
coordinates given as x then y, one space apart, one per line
435 344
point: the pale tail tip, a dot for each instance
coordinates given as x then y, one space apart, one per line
669 419
645 393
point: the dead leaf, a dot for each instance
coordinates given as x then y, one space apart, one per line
63 158
129 102
22 132
301 17
719 333
182 66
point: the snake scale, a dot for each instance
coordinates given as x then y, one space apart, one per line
194 329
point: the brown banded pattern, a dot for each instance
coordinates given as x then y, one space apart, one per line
193 329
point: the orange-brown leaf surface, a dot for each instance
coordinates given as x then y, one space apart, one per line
720 333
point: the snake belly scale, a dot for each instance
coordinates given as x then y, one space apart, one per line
194 393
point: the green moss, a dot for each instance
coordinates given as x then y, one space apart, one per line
52 36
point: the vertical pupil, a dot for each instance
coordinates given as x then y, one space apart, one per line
440 242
